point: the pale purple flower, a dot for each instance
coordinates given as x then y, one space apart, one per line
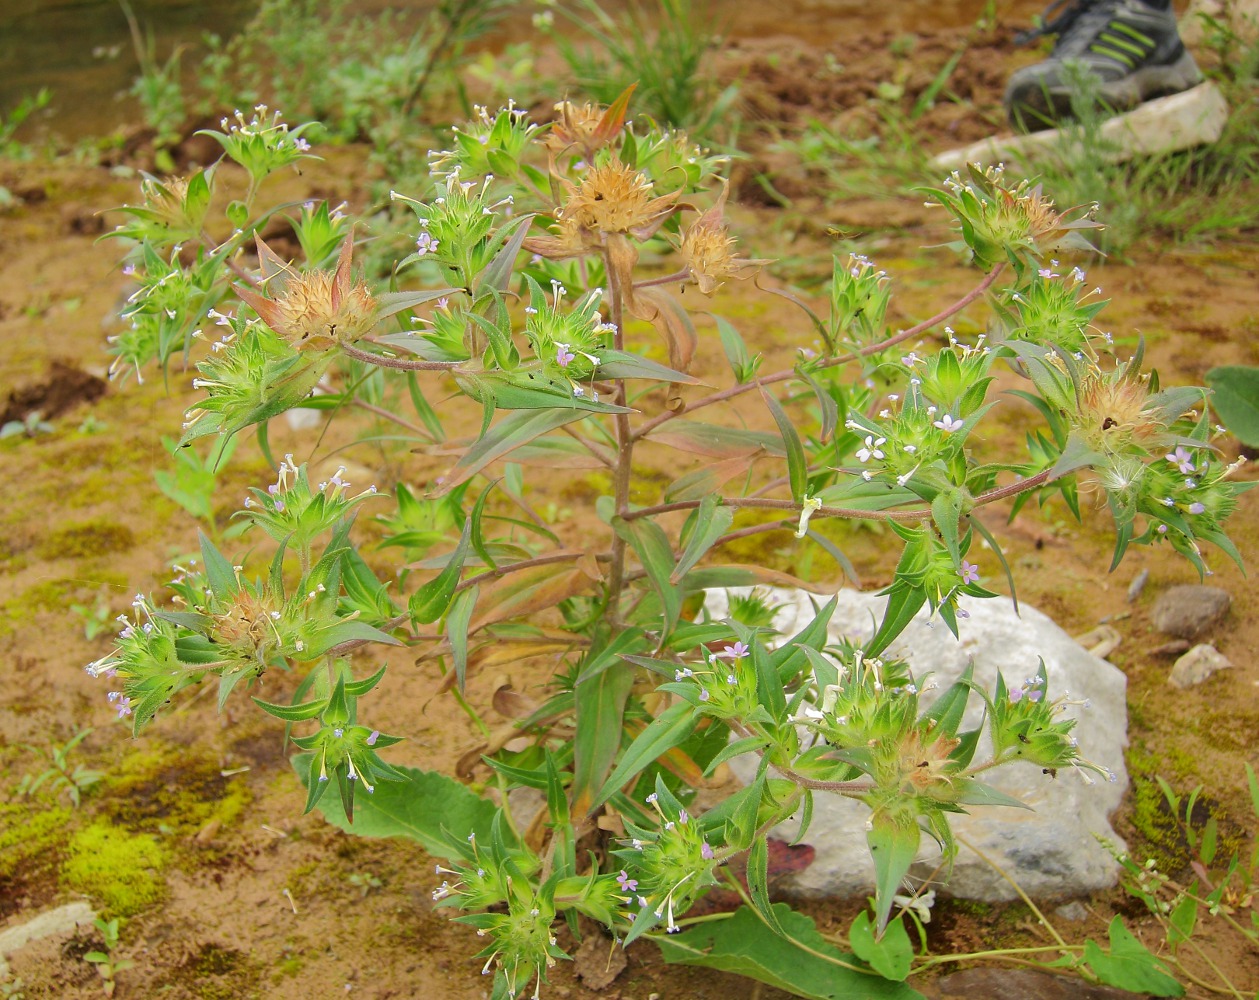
706 852
371 740
969 572
425 243
735 652
1182 459
948 424
626 883
1196 507
563 355
1016 695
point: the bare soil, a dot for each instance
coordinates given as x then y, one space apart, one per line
259 901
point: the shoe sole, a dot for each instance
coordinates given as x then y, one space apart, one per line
1047 107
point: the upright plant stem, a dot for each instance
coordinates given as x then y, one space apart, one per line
624 444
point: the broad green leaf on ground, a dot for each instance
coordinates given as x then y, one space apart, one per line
1130 965
744 945
1235 397
428 808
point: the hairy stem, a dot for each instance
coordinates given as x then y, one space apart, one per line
782 376
624 442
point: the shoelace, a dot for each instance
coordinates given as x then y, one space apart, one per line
1051 25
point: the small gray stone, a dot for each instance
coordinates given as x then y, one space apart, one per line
1075 911
58 921
1050 849
1197 665
1022 984
1137 585
1190 610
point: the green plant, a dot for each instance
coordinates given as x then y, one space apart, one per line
107 966
12 989
193 481
14 119
33 425
58 776
660 47
527 293
159 89
94 617
1235 396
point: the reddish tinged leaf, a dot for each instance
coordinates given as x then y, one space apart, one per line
613 119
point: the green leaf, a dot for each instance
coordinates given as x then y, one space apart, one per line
890 955
731 750
431 601
1130 965
457 631
1181 921
218 571
600 704
758 884
292 713
497 274
893 842
665 732
797 464
426 807
745 946
789 658
735 347
651 545
711 521
508 434
946 511
902 604
619 364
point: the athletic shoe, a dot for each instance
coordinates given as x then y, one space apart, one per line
1133 49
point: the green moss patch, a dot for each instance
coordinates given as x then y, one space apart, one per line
86 539
120 870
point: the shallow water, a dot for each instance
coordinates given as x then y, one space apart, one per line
82 49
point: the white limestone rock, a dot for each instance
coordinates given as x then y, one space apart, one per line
1052 850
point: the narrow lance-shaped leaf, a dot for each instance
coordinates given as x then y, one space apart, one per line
664 733
711 521
457 631
430 602
651 545
893 842
797 464
600 703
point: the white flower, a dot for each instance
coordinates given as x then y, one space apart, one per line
948 424
871 450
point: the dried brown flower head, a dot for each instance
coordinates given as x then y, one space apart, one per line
587 128
1115 410
708 250
313 309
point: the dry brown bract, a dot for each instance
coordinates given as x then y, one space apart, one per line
313 309
708 250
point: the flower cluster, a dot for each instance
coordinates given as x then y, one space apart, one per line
859 298
1026 725
724 686
291 510
1003 221
1050 308
261 143
456 227
489 144
671 866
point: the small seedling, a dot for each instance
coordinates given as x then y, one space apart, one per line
95 618
365 881
58 775
106 964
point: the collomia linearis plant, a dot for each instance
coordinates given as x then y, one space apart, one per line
536 290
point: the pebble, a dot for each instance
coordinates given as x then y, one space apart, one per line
58 921
1075 911
1021 984
1137 585
1197 665
1190 610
